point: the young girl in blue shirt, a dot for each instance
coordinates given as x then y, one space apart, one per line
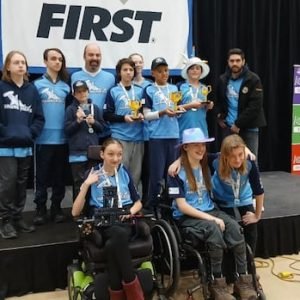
111 172
195 211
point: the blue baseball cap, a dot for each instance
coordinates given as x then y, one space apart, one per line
194 135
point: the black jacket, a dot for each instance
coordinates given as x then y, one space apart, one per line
78 135
250 103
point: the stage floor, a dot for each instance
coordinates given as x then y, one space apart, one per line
37 261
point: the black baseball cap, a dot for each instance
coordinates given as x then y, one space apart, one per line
79 84
158 61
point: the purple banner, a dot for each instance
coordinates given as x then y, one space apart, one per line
296 91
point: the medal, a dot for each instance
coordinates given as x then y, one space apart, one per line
91 130
236 202
235 185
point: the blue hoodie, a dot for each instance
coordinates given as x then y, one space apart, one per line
21 115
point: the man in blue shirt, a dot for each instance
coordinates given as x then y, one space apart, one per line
239 102
97 80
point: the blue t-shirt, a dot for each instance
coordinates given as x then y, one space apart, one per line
232 95
157 98
193 118
127 190
248 186
117 102
53 96
179 188
98 86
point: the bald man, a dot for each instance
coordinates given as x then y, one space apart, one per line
98 80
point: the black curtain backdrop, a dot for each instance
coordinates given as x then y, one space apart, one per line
269 33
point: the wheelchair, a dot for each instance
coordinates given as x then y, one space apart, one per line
194 256
154 256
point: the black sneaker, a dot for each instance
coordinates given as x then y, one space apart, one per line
41 216
22 226
57 215
7 230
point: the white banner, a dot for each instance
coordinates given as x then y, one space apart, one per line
150 27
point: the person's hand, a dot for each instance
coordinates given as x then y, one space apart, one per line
170 112
221 123
210 105
234 129
90 120
93 177
80 115
174 168
125 217
249 154
220 222
249 218
196 104
128 119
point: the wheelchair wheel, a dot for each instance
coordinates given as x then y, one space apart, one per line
75 275
165 257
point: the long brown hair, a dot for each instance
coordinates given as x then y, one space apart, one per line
231 142
63 73
6 76
189 171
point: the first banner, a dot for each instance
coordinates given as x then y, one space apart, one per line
153 28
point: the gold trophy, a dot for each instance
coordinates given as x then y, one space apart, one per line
205 90
134 106
175 97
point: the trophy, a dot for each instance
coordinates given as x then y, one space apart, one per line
134 106
205 90
175 97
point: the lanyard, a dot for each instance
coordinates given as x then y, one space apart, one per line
166 99
194 95
107 182
126 93
236 185
200 187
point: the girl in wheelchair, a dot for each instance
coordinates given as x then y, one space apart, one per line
123 283
194 210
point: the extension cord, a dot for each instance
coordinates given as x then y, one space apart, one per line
286 275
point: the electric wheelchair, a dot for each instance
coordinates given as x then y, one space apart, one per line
153 250
194 256
154 255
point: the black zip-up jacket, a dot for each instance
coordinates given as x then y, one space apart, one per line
78 135
250 102
21 115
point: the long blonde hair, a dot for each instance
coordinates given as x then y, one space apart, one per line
229 143
6 76
189 171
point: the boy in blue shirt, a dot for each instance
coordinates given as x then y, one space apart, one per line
163 127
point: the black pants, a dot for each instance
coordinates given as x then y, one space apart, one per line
250 231
79 170
13 182
118 256
50 166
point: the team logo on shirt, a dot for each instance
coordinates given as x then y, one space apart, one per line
95 89
16 103
51 96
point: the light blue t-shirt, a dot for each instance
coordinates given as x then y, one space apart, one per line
157 99
96 199
232 95
179 188
193 118
223 191
53 96
98 84
117 102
